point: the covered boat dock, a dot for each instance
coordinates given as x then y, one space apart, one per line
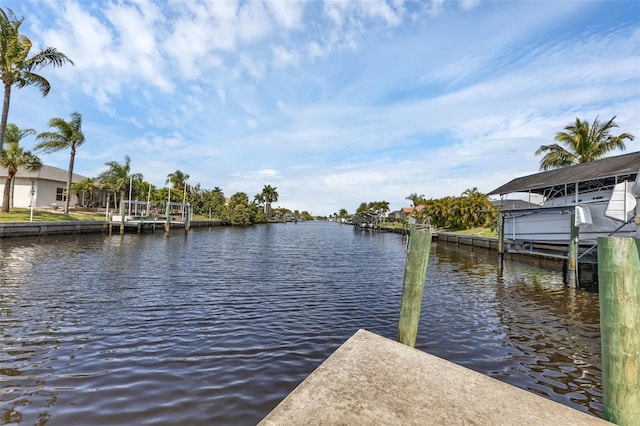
579 204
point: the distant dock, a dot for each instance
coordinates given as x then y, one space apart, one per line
40 229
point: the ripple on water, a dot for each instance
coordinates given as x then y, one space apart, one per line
218 326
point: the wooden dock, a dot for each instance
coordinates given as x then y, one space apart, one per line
41 229
373 380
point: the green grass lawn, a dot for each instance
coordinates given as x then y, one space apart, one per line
23 215
479 232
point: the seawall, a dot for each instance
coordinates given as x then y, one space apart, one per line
38 229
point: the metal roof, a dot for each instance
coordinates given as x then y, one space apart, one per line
512 204
623 166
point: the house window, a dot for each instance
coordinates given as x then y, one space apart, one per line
60 194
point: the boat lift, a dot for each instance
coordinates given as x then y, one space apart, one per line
139 215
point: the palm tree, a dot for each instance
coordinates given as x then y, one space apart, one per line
17 68
177 179
86 186
117 177
217 201
582 143
269 195
68 136
415 198
14 157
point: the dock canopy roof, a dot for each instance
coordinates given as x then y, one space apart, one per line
619 168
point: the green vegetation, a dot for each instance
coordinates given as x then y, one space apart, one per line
13 157
177 179
582 143
265 198
17 68
478 232
68 136
471 210
118 177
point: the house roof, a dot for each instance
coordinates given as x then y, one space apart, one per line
46 172
412 209
624 166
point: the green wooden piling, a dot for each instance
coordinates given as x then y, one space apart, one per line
414 276
619 294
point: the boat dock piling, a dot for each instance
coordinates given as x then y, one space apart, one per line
414 276
373 380
619 294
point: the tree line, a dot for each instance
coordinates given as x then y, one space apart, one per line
471 210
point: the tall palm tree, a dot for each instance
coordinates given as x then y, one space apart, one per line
17 68
269 195
582 143
117 176
14 157
68 136
415 198
177 179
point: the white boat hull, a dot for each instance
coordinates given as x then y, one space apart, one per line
553 225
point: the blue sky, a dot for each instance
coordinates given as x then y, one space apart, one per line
334 103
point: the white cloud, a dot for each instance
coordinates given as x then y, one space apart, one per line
283 57
254 22
469 4
286 13
335 103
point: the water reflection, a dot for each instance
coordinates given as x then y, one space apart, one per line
544 338
216 327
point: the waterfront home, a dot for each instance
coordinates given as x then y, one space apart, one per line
46 186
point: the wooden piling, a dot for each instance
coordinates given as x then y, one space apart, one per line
619 294
167 223
187 220
121 218
413 287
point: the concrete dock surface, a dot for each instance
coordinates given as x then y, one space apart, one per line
371 380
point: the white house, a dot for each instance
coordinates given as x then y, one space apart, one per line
48 186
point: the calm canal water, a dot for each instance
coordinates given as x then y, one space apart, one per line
218 326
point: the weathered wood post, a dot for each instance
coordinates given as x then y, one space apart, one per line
121 218
167 223
413 287
619 294
572 267
187 219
